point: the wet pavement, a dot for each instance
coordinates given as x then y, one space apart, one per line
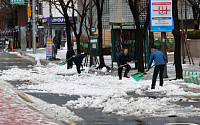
8 60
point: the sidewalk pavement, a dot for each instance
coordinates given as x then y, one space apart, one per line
15 113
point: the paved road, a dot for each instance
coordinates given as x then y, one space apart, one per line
8 60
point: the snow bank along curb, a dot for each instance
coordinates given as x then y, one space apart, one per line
191 77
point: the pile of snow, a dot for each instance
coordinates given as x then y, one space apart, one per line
53 110
105 92
104 69
141 107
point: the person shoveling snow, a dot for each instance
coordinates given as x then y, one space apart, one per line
122 61
78 59
159 60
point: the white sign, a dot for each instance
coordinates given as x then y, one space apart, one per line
161 15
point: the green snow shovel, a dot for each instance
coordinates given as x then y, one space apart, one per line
62 63
138 76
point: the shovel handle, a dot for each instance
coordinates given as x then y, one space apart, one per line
69 59
120 66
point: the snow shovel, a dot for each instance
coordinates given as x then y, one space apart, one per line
138 76
63 63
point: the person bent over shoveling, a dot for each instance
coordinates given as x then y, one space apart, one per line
122 61
78 59
159 60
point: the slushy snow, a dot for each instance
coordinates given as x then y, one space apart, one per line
104 92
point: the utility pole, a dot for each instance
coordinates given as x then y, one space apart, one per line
29 28
163 49
182 35
34 26
185 15
50 16
90 4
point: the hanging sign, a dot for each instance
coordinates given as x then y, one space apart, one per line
161 16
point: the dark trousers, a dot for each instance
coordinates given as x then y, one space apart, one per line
128 68
158 69
78 67
69 64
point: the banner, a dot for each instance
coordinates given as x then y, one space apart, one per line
49 47
161 16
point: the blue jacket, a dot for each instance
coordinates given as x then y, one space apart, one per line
158 57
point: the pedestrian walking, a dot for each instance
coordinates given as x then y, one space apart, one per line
78 59
56 45
122 61
159 60
69 55
6 44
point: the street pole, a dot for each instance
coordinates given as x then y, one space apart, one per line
50 16
182 35
34 26
29 28
185 15
90 4
163 49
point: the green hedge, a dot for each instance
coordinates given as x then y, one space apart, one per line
195 34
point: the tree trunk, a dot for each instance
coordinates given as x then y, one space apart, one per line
177 35
68 31
100 40
78 40
151 41
140 51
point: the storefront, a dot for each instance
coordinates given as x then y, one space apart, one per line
58 29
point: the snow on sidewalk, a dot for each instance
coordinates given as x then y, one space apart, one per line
13 112
105 92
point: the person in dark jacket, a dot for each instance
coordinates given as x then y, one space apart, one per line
123 59
159 60
78 59
69 56
56 44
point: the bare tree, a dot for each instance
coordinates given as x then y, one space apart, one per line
196 12
177 38
100 7
135 7
81 12
8 14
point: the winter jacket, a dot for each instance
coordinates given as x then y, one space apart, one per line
123 59
70 54
78 59
158 57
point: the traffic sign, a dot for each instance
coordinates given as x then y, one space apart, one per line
17 1
93 30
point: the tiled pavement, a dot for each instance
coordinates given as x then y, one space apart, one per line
12 112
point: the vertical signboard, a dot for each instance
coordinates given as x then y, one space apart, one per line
23 38
161 16
17 1
49 47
